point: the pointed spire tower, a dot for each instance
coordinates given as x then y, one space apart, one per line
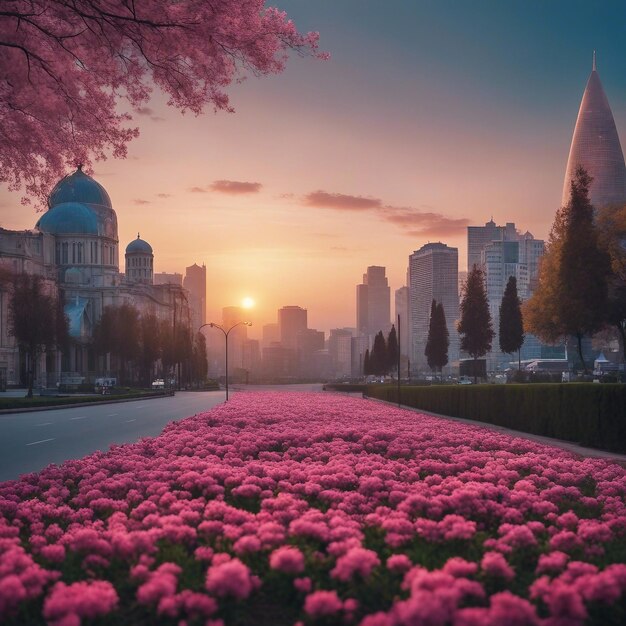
596 146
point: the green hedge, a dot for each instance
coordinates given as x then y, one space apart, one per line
43 401
590 414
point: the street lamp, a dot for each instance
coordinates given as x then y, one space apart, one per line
226 333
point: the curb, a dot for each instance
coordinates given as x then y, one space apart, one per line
56 407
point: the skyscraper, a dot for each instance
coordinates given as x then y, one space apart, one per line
402 310
195 283
373 303
291 320
596 146
433 275
479 236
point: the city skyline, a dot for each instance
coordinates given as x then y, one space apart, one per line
249 200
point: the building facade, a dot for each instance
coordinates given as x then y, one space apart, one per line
195 283
596 146
291 321
75 247
373 303
433 275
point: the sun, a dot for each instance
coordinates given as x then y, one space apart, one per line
247 302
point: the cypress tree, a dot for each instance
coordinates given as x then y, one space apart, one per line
511 330
378 355
367 370
438 338
475 326
392 350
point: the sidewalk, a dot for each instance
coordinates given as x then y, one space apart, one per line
548 441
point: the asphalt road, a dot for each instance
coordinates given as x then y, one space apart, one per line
30 441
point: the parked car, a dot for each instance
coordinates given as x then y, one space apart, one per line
465 380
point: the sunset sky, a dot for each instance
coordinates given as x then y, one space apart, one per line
429 116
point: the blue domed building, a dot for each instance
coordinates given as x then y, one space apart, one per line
75 247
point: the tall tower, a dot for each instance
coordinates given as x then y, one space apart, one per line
291 321
596 146
373 302
195 283
433 275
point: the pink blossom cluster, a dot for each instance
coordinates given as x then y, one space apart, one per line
333 508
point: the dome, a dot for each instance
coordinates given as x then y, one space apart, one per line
69 219
138 246
78 187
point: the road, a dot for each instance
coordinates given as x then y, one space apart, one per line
29 441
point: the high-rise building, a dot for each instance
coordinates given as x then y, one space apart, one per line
308 341
195 283
433 275
479 236
291 320
237 337
340 349
360 345
402 310
270 335
373 303
596 146
500 260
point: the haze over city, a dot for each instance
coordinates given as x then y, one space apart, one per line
427 118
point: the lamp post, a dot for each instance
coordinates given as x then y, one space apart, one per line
226 333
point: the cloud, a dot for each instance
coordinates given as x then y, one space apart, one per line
145 111
197 190
341 201
235 187
164 195
156 118
141 201
414 222
424 223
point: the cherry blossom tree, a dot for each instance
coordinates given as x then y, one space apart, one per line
66 66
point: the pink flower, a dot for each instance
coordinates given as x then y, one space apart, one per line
68 604
287 559
355 561
322 603
399 563
303 585
230 579
494 564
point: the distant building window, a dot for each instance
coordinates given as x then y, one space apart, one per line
64 253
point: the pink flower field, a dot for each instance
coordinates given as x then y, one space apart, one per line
294 509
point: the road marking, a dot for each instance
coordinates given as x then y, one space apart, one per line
44 424
139 407
82 417
34 443
130 421
112 414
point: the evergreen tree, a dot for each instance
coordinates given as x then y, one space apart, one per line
612 231
150 348
438 340
367 370
572 296
118 333
475 326
200 364
36 320
511 331
392 350
378 355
